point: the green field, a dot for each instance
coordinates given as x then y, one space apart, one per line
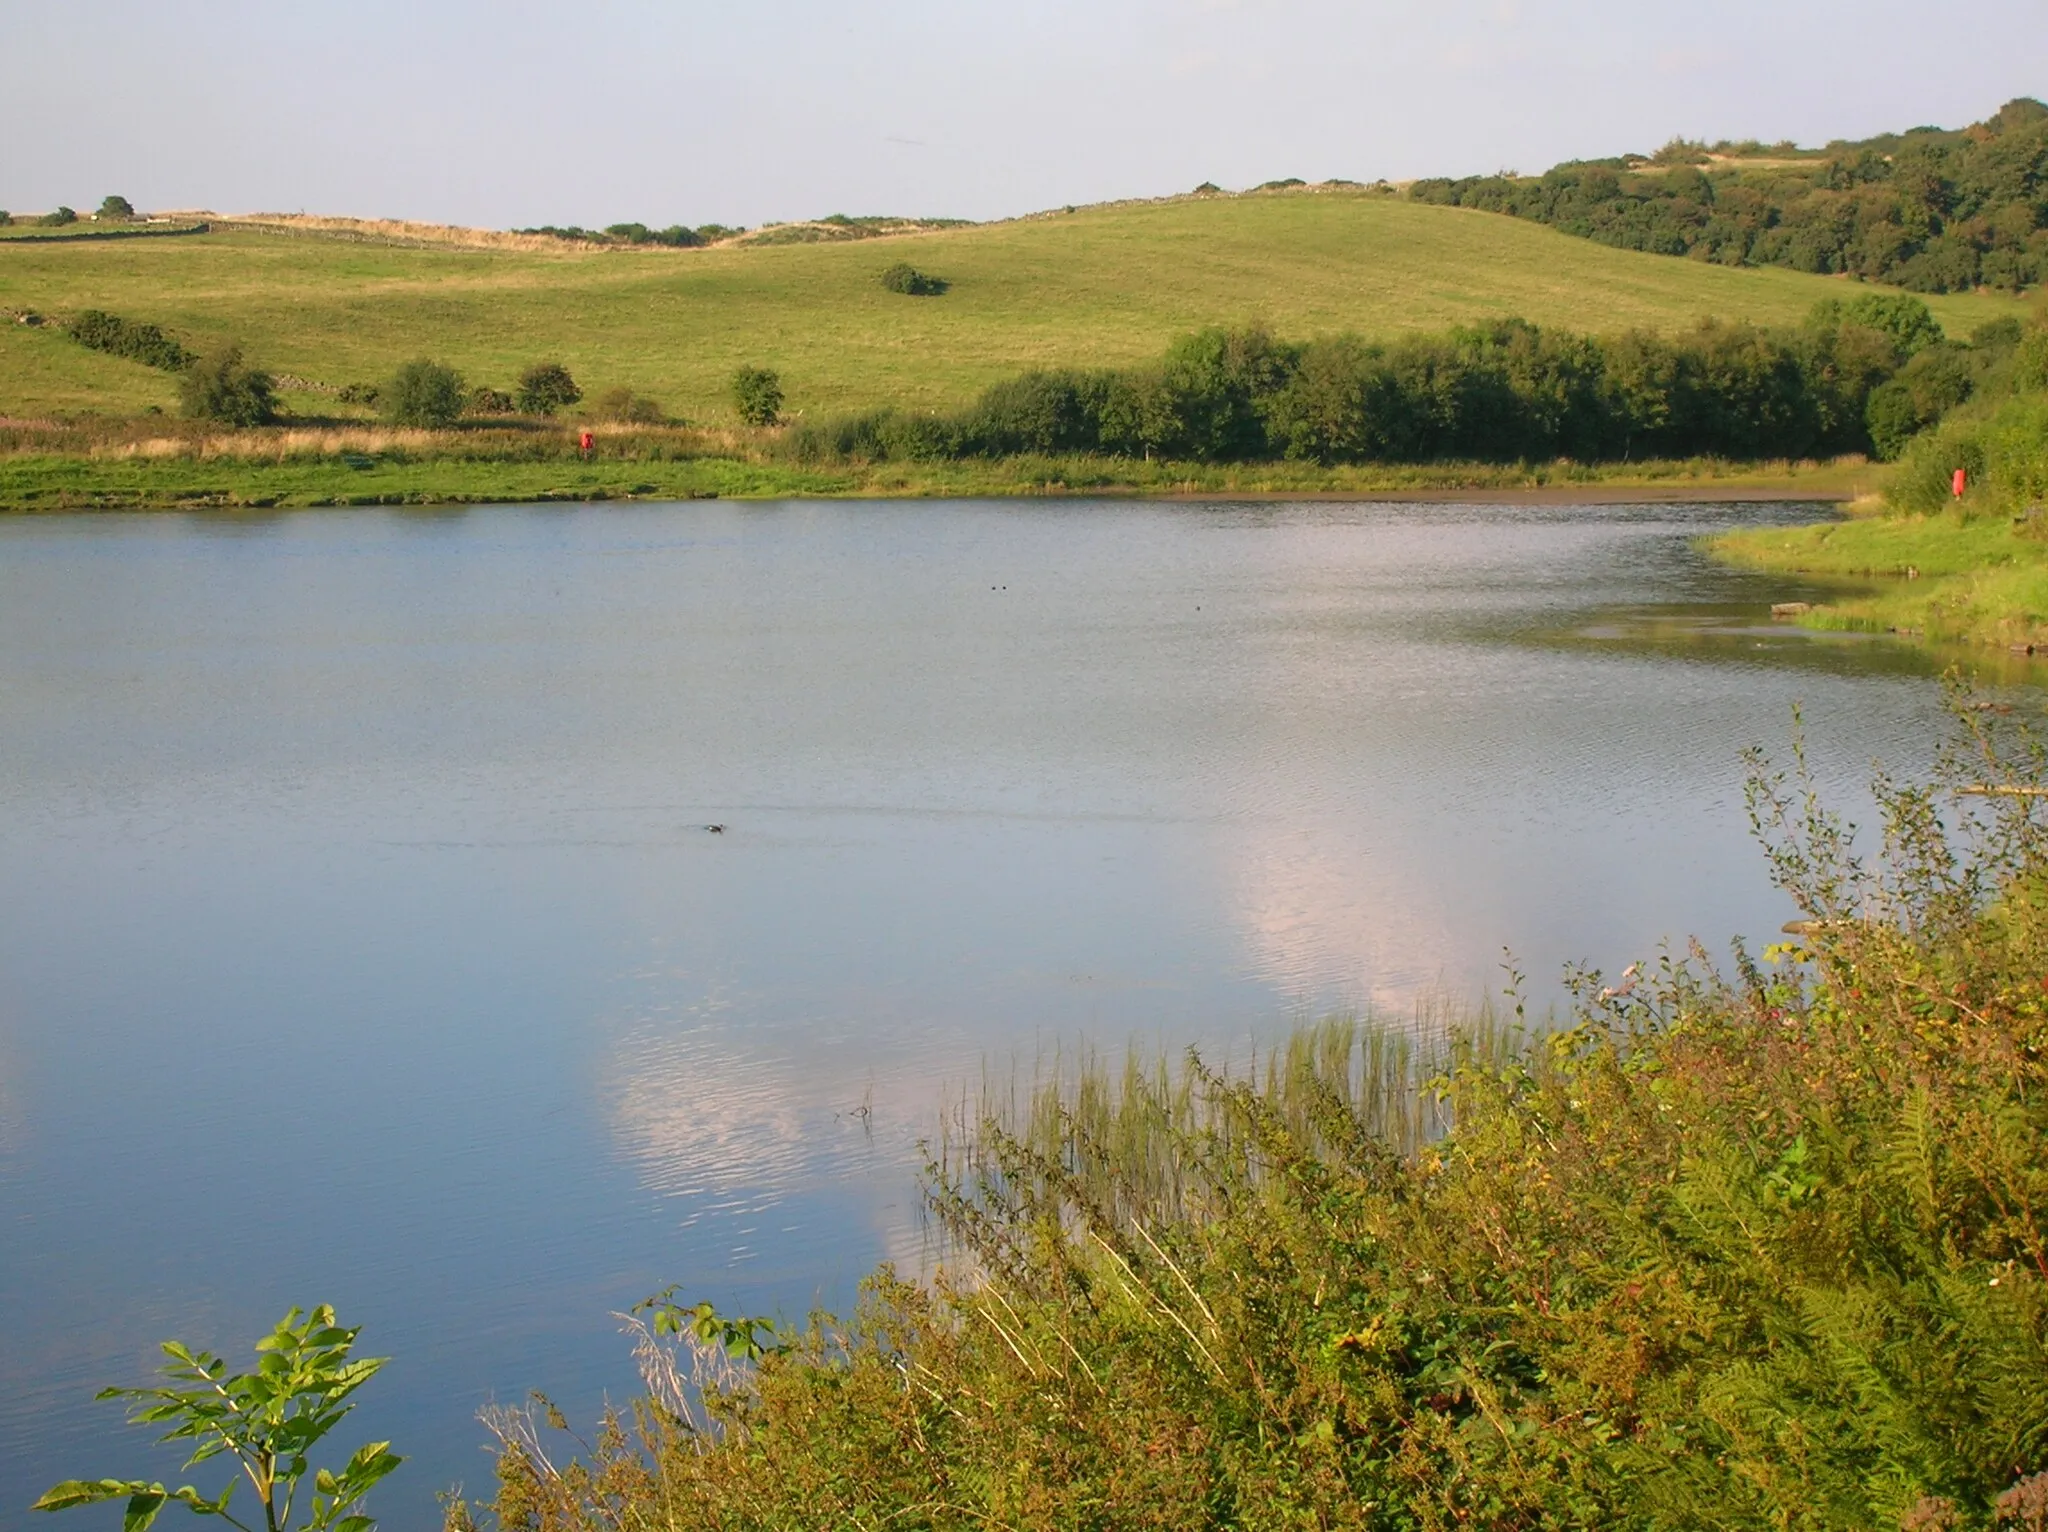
1100 286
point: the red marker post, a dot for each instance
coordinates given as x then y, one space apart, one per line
1960 482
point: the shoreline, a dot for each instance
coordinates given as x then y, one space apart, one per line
1973 579
64 484
1651 492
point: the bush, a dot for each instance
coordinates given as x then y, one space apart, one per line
6 219
907 279
144 343
116 210
360 393
545 388
623 405
2030 362
424 393
757 395
57 219
489 401
223 387
880 436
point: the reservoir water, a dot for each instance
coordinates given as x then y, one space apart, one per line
362 939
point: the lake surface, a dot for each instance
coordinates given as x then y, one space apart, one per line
361 939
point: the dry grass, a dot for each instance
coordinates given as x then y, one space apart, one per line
161 439
398 231
317 442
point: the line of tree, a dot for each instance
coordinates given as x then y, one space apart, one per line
1507 391
1928 210
676 236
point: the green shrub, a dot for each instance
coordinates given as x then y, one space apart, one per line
223 387
360 393
58 218
6 219
488 401
622 404
423 393
1923 481
115 210
145 343
2030 362
757 395
545 388
907 279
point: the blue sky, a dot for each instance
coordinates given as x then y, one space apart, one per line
512 112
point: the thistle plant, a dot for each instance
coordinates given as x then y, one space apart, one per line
268 1420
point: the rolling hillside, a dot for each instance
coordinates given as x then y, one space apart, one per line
1100 286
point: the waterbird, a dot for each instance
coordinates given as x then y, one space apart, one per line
716 829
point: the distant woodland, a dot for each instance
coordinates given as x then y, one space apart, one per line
1930 210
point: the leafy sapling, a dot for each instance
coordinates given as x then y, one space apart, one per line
269 1420
739 1334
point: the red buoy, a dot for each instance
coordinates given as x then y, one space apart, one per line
586 441
1960 482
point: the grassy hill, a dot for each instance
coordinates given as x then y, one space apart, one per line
1100 286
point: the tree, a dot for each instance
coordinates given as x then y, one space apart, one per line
268 1420
423 393
546 387
225 388
58 218
1906 320
116 209
757 395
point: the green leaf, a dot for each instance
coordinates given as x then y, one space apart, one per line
200 1505
143 1508
60 1497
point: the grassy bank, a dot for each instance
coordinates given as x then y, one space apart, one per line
1971 571
1099 287
1947 577
374 466
1765 1249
